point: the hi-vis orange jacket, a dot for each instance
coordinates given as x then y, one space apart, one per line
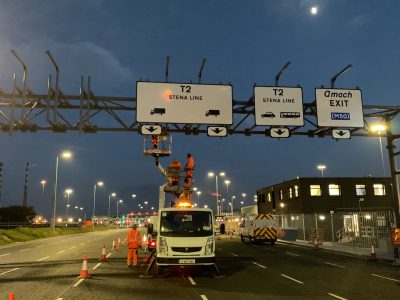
134 238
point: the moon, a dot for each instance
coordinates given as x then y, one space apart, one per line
314 10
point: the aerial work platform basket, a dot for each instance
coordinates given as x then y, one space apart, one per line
157 145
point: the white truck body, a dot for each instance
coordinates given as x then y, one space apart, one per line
185 237
259 228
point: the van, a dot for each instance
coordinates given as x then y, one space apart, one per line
258 228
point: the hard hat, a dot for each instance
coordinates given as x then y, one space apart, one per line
134 225
188 155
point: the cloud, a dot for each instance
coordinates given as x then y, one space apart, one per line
358 21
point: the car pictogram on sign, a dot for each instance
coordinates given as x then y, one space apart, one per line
268 114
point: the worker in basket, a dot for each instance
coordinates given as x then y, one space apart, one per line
189 169
134 241
155 139
173 171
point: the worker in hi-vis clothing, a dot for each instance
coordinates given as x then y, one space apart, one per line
134 240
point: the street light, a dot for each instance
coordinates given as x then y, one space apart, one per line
321 168
227 182
233 197
65 155
221 174
198 197
118 202
109 204
230 204
244 197
81 208
380 128
133 196
43 182
68 192
99 183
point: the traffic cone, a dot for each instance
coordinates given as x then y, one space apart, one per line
103 256
84 271
114 246
316 245
373 253
11 296
119 242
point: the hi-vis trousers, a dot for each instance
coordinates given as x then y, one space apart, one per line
132 256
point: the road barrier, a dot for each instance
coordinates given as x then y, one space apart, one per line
11 296
114 246
103 256
119 243
373 257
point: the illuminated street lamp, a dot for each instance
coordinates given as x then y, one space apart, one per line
65 155
43 182
99 183
227 182
221 174
198 197
244 197
109 205
321 168
68 192
380 128
118 202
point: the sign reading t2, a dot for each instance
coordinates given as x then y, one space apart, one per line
339 108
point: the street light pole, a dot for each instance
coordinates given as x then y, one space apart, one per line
321 168
119 201
227 182
100 183
222 174
109 205
233 197
198 197
43 182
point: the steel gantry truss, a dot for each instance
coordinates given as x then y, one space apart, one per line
22 110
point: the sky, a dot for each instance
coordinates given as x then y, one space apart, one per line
244 42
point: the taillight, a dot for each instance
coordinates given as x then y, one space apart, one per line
152 243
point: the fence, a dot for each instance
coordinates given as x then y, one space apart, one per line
356 229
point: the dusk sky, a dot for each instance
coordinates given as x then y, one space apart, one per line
244 42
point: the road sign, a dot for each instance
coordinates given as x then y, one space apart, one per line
150 129
278 106
339 108
217 131
183 103
341 134
279 132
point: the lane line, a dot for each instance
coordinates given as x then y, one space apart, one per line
81 244
191 280
5 254
203 297
12 270
295 280
24 250
292 254
96 266
72 247
336 296
43 258
385 277
261 266
79 282
39 246
109 254
335 265
60 298
59 252
234 254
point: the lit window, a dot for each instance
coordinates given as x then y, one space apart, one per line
296 191
281 194
334 190
290 193
315 190
379 189
269 197
361 190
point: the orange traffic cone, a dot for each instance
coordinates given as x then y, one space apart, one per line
373 253
119 243
114 246
316 245
84 271
11 296
103 256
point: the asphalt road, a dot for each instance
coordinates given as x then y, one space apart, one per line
50 268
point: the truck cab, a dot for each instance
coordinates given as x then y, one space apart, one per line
185 237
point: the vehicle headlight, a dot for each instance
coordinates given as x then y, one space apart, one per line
162 246
209 249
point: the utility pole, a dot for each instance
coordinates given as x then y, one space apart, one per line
1 179
25 200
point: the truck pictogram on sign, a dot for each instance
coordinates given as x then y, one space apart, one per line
157 111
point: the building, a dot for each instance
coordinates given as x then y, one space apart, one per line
308 195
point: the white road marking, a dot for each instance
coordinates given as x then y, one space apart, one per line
25 249
96 266
59 252
336 296
261 266
295 280
79 282
39 246
109 254
269 249
234 254
72 247
219 248
292 254
43 258
203 297
12 270
5 254
385 277
81 244
60 298
191 280
335 265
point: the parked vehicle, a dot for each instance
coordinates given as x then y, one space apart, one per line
259 228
